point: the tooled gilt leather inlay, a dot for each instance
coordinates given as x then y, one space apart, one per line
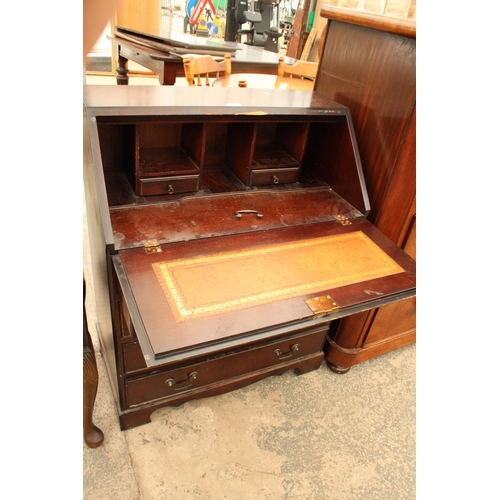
213 284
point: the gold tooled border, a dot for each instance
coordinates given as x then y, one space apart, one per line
165 272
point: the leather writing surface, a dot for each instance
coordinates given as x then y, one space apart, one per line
222 282
166 334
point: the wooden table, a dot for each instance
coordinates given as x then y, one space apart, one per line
259 80
163 55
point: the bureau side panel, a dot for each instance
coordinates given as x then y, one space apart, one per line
98 266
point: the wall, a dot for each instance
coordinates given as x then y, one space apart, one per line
143 16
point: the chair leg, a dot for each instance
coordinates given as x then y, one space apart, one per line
93 436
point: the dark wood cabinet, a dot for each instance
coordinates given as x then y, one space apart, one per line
228 234
368 64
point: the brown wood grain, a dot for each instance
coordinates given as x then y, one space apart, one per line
208 216
373 72
368 64
397 26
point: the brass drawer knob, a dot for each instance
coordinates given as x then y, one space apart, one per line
170 189
279 354
178 387
275 180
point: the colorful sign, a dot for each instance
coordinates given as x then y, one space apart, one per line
205 7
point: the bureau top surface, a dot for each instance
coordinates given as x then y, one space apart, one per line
126 100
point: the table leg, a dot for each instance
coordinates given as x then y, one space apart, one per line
122 71
168 74
93 435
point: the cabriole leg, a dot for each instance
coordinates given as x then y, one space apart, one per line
93 435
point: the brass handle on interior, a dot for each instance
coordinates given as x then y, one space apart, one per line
293 349
275 180
170 189
172 383
239 213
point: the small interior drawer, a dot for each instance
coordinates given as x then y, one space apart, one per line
170 383
274 176
168 185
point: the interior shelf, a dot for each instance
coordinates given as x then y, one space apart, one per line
166 161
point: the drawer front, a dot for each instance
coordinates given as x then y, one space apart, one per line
274 176
170 383
168 185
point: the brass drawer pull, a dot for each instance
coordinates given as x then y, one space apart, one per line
280 355
275 180
172 383
170 189
239 213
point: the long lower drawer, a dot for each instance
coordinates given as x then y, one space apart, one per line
169 383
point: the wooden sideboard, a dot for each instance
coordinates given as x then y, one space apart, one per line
368 64
227 233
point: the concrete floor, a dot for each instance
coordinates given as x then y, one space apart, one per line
312 437
317 436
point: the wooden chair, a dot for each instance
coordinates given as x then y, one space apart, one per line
197 66
299 69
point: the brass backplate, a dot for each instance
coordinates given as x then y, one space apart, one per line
322 305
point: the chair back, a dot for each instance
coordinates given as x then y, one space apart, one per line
299 69
241 7
196 67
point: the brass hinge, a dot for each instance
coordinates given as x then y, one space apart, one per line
152 246
323 305
343 220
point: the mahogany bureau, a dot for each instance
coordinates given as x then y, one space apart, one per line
227 231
